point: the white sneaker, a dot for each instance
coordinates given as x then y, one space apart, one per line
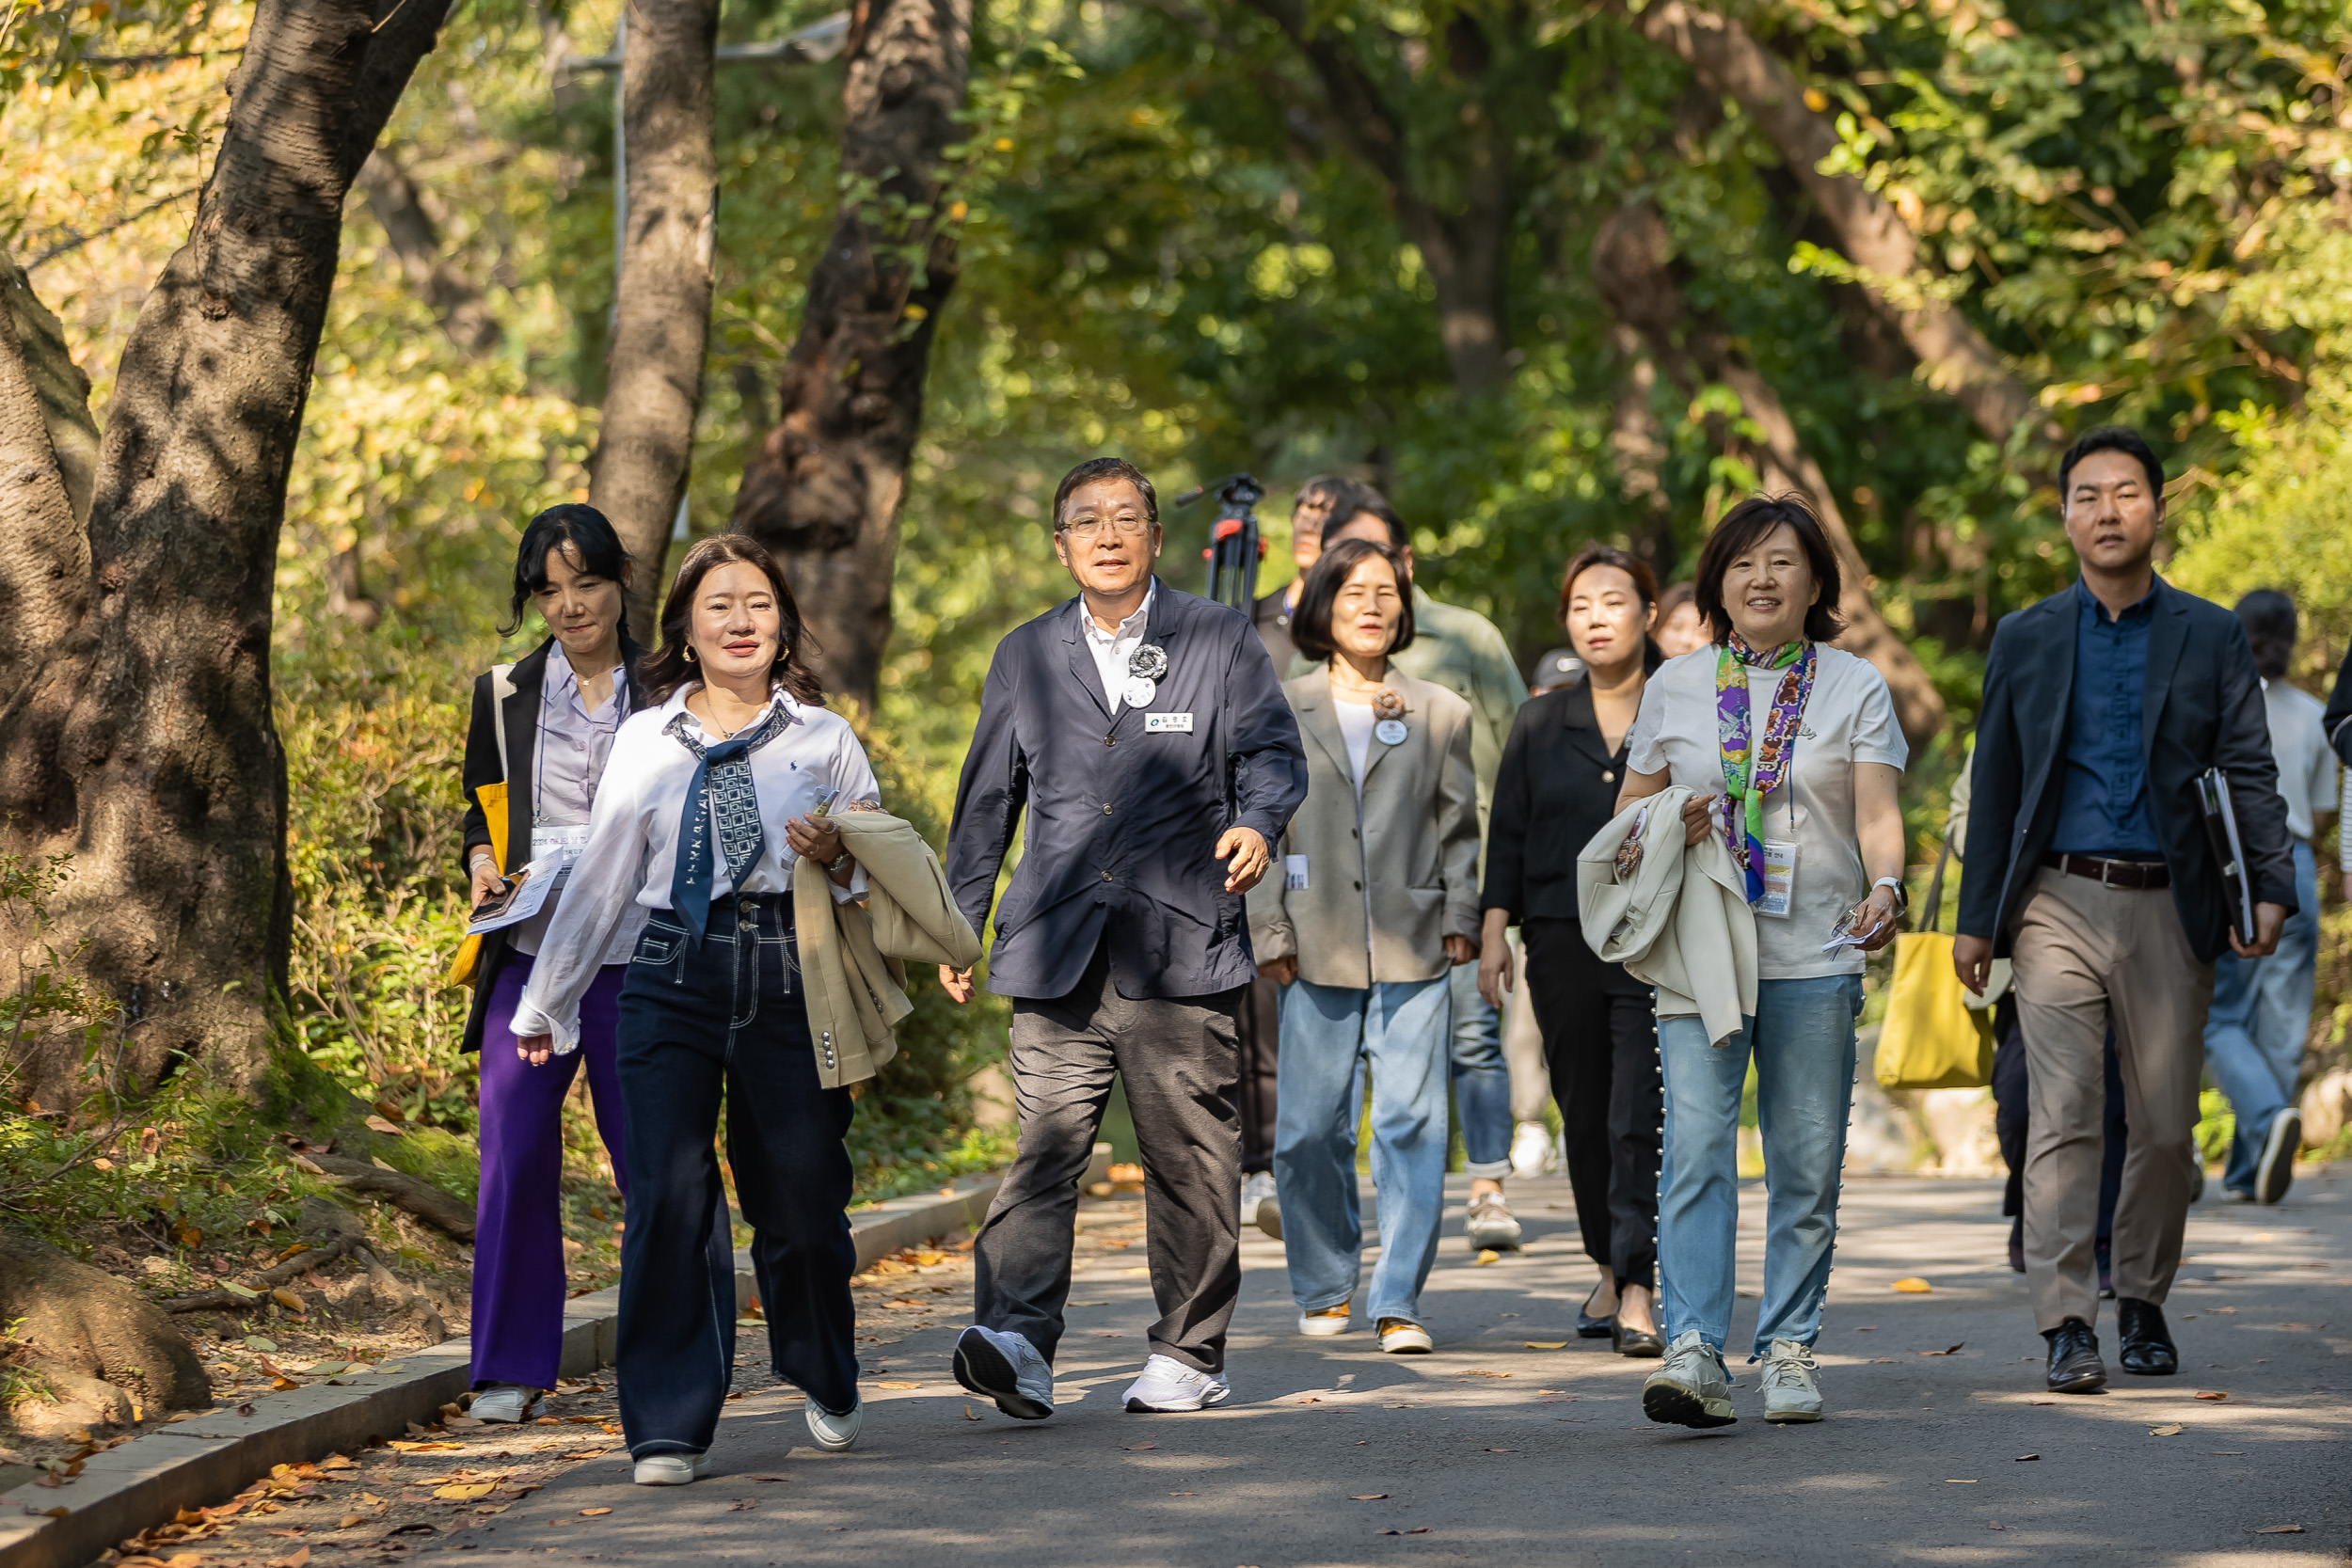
1690 1387
1322 1325
672 1469
1404 1337
1006 1368
1490 1224
1531 1150
1169 1385
834 1434
1789 1392
503 1402
1256 1188
2275 1173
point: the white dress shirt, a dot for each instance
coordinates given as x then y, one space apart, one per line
632 840
1113 649
566 762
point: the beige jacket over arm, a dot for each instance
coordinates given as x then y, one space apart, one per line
1681 921
854 956
1413 841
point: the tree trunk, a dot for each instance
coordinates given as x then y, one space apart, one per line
44 415
1639 448
1632 266
661 323
140 739
454 299
1954 355
85 1324
825 488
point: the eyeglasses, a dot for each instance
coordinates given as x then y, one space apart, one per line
1125 527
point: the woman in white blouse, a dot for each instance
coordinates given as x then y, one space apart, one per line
708 796
1792 756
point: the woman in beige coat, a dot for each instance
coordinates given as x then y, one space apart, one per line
1378 901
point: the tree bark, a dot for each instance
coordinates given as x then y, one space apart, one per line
455 298
1639 448
139 741
825 489
1632 257
1467 248
661 323
85 1322
1953 355
48 463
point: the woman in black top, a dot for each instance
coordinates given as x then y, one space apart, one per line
1556 788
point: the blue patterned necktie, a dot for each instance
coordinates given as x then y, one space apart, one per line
720 796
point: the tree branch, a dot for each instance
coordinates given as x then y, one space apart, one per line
454 299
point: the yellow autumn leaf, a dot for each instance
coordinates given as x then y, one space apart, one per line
465 1492
2170 1428
1546 1344
1914 1286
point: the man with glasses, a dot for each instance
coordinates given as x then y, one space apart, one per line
1145 735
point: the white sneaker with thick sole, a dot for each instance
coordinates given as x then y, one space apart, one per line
1168 1387
672 1469
1789 1392
1330 1320
1690 1388
1404 1337
1006 1368
1490 1227
1531 1150
1256 1188
834 1434
2275 1173
503 1402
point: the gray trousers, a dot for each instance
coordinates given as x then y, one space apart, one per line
1179 1060
2083 954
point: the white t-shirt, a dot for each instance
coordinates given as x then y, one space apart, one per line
2307 769
1355 729
1848 718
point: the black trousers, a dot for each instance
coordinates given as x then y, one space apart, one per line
1260 1034
2011 1116
1176 1058
697 1025
1601 1042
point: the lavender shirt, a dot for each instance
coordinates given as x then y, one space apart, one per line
568 763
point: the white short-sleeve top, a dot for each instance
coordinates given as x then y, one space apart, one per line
1848 718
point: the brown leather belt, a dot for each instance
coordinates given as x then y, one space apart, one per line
2136 875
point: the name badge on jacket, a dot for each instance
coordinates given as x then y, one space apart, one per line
1168 723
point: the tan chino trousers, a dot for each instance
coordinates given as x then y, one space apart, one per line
2083 952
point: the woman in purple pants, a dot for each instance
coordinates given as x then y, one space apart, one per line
542 728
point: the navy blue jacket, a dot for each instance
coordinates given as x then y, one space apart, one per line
1123 822
2202 706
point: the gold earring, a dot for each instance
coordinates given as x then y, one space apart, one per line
690 653
783 651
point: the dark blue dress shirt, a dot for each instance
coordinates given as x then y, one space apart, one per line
2105 810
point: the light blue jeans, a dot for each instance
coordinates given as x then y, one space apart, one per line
1801 1037
1481 1079
1399 1031
2262 1012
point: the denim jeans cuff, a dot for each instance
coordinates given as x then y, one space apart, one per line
1489 1170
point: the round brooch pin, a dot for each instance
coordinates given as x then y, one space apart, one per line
1148 662
1139 692
1390 731
1385 703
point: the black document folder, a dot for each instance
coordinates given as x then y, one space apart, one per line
2212 794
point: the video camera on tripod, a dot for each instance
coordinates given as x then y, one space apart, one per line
1234 546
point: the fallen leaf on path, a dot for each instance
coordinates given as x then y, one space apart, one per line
465 1492
1994 1524
740 1504
1475 1373
347 1521
585 1454
1416 1530
1502 1450
2211 1394
1950 1481
281 1383
1139 1271
301 1556
1883 1361
1138 1448
1914 1286
1546 1344
766 1478
336 1461
405 1447
1484 1256
2278 1530
1362 1498
256 1342
967 1413
594 1512
902 1386
2170 1428
2024 1458
1953 1350
1183 1494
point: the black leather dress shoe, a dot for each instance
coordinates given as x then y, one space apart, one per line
2074 1363
1590 1327
2148 1349
1633 1341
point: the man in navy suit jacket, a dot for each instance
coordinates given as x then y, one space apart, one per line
1144 733
2089 868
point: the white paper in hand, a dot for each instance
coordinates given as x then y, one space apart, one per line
525 894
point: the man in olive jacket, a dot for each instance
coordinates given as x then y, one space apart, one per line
1143 732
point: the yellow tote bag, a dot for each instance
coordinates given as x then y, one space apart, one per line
463 968
1931 1039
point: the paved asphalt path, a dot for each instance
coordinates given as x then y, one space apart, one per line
1491 1452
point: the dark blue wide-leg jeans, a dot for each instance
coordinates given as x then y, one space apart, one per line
699 1025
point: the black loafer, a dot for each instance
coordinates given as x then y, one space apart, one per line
2147 1348
1590 1327
1634 1342
2074 1363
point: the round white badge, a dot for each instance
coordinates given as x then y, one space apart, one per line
1139 691
1390 731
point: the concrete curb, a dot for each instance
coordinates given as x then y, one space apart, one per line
147 1480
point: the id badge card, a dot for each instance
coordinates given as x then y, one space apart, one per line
1294 873
1780 877
569 841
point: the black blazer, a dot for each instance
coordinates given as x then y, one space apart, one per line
483 766
2338 719
1556 787
1123 820
2201 708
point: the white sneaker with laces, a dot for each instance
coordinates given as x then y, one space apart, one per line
1789 1392
1256 1188
1490 1224
834 1434
1404 1337
1690 1387
1531 1150
1330 1320
672 1469
1169 1385
503 1402
1006 1368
